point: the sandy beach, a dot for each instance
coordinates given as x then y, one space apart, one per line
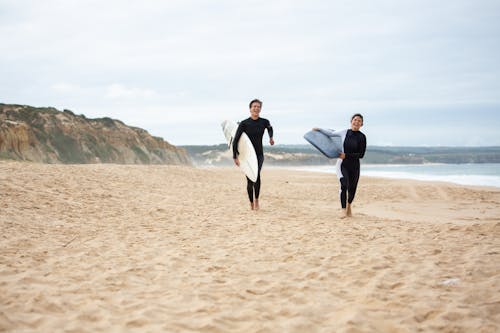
122 248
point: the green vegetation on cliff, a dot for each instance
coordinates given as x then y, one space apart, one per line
51 136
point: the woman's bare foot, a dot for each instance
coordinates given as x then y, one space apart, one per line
251 206
348 212
256 204
343 214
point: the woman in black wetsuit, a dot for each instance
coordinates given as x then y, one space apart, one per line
348 166
254 127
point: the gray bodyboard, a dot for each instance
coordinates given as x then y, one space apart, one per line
331 147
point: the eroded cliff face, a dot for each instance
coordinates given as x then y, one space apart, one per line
51 136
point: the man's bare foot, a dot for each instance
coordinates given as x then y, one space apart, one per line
256 204
348 212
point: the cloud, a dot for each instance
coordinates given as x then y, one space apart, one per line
119 91
66 88
179 66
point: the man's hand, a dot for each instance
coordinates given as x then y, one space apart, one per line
271 141
236 161
342 156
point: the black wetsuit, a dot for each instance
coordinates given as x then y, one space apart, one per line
354 149
255 131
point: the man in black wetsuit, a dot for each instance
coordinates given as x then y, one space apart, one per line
254 127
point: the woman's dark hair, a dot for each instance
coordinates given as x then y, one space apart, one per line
255 101
357 115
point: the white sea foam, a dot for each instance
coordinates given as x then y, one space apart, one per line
457 179
463 174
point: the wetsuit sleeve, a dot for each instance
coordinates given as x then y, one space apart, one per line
270 130
236 139
362 145
330 132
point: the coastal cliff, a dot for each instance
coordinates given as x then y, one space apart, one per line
48 135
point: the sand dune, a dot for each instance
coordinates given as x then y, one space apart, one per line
114 248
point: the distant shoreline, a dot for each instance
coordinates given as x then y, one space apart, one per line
297 155
482 175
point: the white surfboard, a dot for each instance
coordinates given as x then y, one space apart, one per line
247 156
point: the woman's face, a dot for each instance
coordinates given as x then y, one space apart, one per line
356 123
255 110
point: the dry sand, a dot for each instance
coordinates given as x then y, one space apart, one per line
113 248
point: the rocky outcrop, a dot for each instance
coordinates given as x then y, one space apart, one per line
51 136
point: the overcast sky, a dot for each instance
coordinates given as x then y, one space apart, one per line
422 72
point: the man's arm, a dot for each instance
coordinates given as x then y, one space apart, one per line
236 139
270 131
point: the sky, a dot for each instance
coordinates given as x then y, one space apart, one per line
422 72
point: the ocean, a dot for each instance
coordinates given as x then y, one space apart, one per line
486 174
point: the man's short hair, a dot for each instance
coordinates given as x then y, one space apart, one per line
255 101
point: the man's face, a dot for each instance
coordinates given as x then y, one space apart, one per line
255 109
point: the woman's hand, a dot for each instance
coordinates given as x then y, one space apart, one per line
342 156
